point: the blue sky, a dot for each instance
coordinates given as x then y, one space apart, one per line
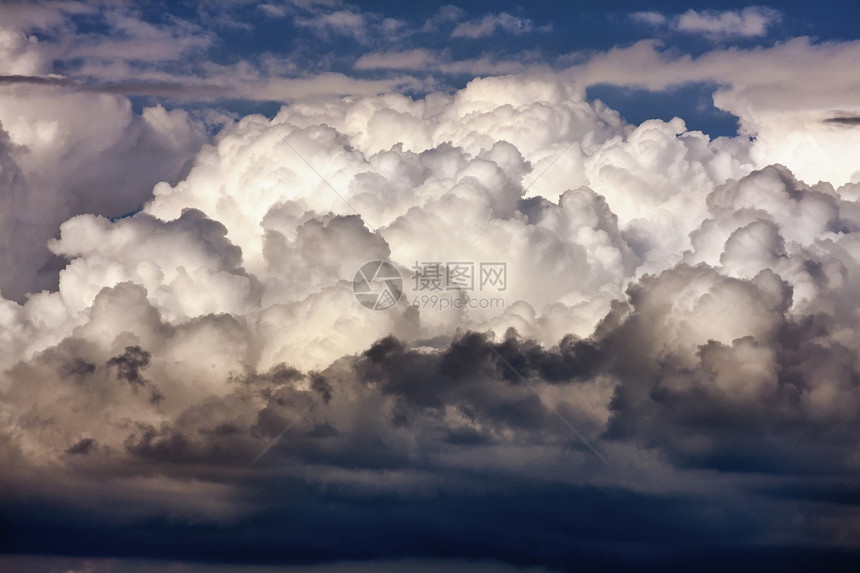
308 39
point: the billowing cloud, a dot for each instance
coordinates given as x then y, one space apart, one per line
71 153
609 344
217 327
786 118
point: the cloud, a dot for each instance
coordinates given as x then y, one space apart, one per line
762 89
84 153
491 24
128 55
340 22
688 315
751 22
425 60
272 10
140 41
185 371
418 59
123 35
445 14
844 119
652 18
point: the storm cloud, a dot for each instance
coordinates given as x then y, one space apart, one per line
643 353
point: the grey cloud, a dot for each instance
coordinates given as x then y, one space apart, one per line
846 120
130 363
82 447
127 88
87 178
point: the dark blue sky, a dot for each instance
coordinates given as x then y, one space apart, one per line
559 31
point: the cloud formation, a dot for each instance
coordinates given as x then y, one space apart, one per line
682 311
668 374
751 22
490 23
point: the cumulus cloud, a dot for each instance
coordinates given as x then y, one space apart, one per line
787 118
72 153
670 308
675 339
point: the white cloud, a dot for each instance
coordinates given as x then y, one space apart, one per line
79 153
751 22
490 24
426 60
748 23
417 59
782 95
339 22
660 277
138 40
445 14
652 18
19 54
272 11
392 159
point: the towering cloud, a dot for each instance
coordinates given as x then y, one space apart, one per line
650 342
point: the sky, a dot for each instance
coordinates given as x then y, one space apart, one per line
318 286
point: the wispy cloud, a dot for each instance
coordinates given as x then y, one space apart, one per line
445 14
491 24
652 18
751 22
418 59
338 23
272 10
423 60
748 23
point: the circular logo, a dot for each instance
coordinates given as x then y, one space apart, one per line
377 285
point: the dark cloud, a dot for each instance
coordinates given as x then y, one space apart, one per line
846 120
711 378
126 88
129 365
80 367
84 446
